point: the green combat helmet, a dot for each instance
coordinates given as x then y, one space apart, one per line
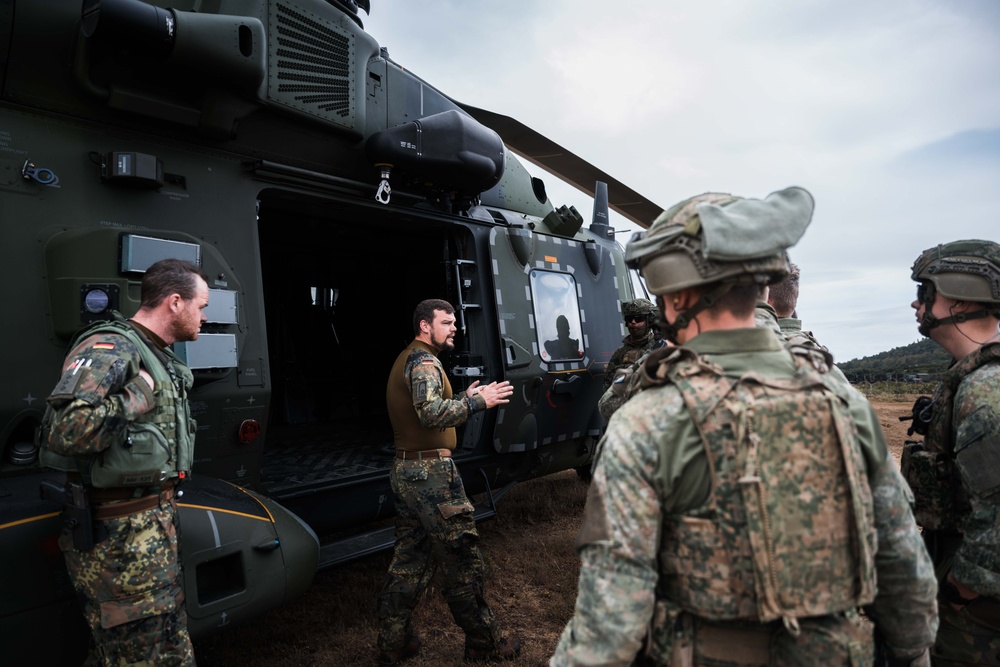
718 240
641 307
961 270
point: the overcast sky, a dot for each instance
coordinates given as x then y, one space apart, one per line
887 112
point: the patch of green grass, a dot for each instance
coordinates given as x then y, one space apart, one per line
894 391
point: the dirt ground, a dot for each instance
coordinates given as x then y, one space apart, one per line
532 571
895 430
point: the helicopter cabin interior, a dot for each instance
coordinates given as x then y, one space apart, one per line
339 295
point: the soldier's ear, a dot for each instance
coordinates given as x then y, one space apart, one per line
175 302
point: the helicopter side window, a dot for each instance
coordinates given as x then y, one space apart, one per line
557 315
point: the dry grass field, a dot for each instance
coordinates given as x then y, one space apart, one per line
531 583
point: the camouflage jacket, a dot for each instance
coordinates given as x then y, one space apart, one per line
422 408
652 463
621 387
765 317
104 421
628 353
964 438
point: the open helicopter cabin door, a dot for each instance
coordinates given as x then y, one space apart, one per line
551 293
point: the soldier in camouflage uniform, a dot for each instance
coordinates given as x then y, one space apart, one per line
639 317
955 472
764 314
122 396
783 296
434 518
744 507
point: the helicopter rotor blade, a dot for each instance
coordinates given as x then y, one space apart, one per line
573 169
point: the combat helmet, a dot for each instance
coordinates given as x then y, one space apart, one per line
639 307
966 270
718 240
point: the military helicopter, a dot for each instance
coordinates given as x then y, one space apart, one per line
325 190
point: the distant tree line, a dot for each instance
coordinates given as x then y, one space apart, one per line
923 361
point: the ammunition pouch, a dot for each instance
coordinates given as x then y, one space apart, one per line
931 478
669 638
144 459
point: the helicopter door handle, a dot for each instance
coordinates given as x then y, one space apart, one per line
570 386
515 355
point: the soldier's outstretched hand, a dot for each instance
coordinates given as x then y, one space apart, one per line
496 393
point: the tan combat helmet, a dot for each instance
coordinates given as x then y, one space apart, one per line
966 270
718 240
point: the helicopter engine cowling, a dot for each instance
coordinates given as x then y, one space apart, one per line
448 150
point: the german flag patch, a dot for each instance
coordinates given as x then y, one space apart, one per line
103 346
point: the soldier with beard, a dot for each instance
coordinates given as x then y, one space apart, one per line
119 424
434 518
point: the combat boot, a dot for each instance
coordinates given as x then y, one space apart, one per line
506 649
410 648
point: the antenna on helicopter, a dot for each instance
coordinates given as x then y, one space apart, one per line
601 224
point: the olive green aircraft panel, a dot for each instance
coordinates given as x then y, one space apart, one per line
548 299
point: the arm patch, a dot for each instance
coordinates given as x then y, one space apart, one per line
420 392
90 379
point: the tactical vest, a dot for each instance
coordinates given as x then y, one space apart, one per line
159 444
408 433
788 530
635 350
942 503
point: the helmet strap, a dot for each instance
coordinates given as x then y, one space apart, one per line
705 300
928 321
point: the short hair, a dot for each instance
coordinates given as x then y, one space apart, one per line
740 300
784 294
166 277
424 312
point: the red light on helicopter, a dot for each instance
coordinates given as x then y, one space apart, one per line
249 430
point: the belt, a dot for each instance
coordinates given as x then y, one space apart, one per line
423 454
743 645
126 493
118 509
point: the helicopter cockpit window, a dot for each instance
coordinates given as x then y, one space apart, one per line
557 316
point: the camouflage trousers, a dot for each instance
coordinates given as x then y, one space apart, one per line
131 591
434 528
970 636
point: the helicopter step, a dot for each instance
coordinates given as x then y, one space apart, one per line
359 546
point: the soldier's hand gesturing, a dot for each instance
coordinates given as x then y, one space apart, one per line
494 393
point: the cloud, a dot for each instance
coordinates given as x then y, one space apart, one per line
887 112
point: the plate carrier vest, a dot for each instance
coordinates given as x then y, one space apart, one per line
788 530
160 443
